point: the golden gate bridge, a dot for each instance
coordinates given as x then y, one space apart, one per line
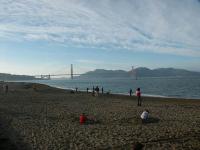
72 74
49 76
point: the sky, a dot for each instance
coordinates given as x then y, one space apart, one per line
47 36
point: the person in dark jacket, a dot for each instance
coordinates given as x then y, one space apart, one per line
138 94
130 92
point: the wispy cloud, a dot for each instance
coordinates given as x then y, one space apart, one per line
170 26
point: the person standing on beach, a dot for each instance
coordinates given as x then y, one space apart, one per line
6 88
138 94
93 88
97 90
93 91
102 90
1 89
130 92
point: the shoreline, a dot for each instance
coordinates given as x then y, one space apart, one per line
121 94
118 93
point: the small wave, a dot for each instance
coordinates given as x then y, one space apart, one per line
146 95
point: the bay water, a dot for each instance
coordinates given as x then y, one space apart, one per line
179 87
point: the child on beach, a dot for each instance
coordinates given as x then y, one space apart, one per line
138 94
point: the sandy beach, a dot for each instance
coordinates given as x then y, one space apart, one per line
35 116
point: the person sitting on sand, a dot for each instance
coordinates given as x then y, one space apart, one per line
82 118
87 119
145 115
95 94
138 94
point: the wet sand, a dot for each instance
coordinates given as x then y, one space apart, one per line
36 116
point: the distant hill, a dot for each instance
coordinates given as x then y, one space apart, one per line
10 77
164 72
139 72
102 73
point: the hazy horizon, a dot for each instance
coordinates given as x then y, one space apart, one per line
45 37
95 70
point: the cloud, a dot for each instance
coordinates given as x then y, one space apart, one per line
89 61
89 64
170 26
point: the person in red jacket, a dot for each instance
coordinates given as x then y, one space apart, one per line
138 94
82 118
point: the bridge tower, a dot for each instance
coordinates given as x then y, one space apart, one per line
134 72
71 71
49 77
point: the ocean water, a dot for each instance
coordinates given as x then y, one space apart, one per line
179 87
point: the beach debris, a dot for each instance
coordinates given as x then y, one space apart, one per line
138 146
72 92
108 92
